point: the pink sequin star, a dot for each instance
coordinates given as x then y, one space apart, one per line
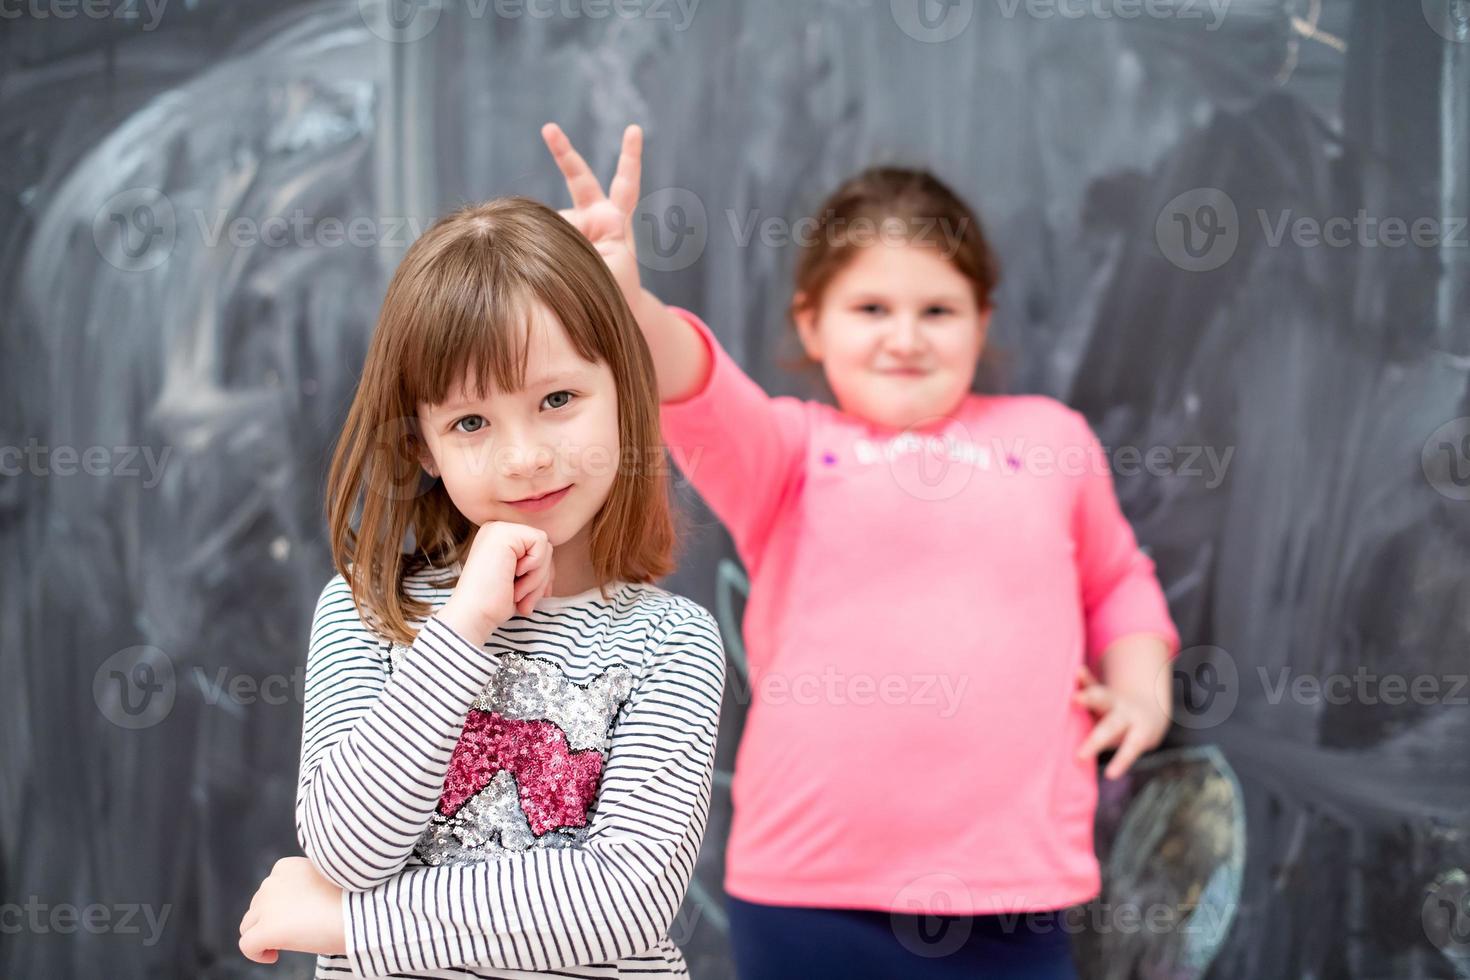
556 786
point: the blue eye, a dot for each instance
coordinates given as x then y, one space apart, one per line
479 420
554 394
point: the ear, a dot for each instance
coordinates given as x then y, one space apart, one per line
426 458
985 325
805 318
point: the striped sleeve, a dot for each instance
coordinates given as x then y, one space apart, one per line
375 748
613 897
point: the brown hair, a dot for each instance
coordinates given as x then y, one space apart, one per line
462 300
922 206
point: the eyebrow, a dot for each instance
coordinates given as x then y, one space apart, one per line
556 377
869 297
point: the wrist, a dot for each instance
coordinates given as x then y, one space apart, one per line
646 307
474 628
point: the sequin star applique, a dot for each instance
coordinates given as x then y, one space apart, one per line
556 786
528 764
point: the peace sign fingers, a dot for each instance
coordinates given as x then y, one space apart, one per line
581 181
624 188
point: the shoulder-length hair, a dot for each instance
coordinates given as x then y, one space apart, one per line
461 301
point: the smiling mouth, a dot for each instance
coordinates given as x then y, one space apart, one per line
906 372
541 497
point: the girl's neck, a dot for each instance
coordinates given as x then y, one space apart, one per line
573 561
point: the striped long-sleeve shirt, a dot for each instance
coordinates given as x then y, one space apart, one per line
531 806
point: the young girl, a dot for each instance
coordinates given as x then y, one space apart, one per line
498 778
932 571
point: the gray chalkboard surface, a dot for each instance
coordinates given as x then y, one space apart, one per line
1232 233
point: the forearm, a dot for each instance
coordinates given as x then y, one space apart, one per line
547 909
679 356
365 799
1134 667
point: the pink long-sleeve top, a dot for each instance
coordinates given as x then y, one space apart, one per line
919 604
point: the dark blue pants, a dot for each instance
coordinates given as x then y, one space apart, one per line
775 942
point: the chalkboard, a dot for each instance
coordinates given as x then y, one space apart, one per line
1191 203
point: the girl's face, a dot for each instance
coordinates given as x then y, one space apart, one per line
898 333
557 439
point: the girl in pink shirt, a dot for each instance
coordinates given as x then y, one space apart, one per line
934 574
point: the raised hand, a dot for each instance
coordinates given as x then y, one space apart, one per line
605 219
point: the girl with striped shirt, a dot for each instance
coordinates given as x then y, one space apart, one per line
509 731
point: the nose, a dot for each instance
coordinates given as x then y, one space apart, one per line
905 337
524 457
